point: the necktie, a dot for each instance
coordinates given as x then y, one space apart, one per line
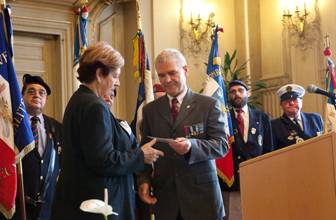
34 126
296 122
174 108
240 121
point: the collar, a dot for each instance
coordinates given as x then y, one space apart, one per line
298 118
40 117
245 109
179 97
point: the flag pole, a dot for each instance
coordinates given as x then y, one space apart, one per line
2 4
152 215
20 191
138 14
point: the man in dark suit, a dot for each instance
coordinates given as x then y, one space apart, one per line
294 126
40 167
185 181
252 137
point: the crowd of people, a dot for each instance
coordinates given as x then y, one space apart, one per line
174 163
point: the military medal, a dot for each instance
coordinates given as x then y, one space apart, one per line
298 139
193 130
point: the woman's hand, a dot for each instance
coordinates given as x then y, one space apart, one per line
150 153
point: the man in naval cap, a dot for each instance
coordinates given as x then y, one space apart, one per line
294 126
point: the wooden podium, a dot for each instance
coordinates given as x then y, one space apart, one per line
294 183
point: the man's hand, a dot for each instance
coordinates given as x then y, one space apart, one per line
144 194
181 145
151 154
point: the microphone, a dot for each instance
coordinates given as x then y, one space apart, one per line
314 89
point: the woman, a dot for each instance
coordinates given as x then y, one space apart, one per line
97 154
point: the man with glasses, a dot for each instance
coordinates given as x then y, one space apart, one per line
252 138
41 166
294 126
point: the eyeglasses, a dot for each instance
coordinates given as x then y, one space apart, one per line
41 92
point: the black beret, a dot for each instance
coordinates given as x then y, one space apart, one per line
237 83
29 79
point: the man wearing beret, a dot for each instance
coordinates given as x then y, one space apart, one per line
252 137
158 90
294 126
41 166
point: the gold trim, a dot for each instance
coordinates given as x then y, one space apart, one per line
225 178
2 4
138 14
8 214
24 152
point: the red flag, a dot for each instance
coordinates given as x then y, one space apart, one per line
14 127
215 87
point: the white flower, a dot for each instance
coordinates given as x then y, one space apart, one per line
97 206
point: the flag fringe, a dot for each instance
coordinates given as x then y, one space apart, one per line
7 213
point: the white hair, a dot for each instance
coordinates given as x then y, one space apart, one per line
169 54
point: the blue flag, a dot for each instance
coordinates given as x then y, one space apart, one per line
143 74
81 33
215 87
15 131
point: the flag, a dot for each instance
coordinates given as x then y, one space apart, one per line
215 87
81 36
330 113
15 132
143 75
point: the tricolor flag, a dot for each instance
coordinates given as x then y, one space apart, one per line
215 87
81 35
15 132
330 113
143 75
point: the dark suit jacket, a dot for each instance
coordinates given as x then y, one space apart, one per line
97 154
286 133
187 184
259 141
38 184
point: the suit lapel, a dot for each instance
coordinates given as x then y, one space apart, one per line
304 123
251 124
236 131
164 109
290 125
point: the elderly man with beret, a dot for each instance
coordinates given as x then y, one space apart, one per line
41 166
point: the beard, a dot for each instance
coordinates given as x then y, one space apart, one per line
239 102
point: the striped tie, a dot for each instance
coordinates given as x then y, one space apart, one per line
34 125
